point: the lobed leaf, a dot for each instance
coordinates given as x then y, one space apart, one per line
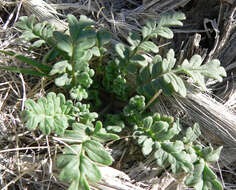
198 72
173 153
40 32
160 75
50 114
192 133
211 155
153 29
97 153
60 67
63 42
203 178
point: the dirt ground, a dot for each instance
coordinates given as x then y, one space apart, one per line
26 159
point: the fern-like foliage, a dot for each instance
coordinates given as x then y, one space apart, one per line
79 160
51 114
130 59
54 113
40 33
78 163
162 74
161 135
75 49
79 55
78 48
203 177
153 29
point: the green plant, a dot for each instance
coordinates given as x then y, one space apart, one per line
161 74
160 135
79 57
78 163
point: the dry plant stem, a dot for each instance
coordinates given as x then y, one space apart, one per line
119 163
23 148
153 99
216 30
78 6
227 30
17 146
23 92
44 12
22 174
18 10
50 158
62 142
221 176
3 101
9 19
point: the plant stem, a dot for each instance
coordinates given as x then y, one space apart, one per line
153 99
73 65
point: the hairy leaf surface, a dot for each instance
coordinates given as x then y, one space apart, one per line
50 114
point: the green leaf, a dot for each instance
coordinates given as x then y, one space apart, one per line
172 19
192 134
23 71
73 26
77 134
136 105
163 131
149 46
114 123
160 75
60 67
62 80
168 20
121 50
147 146
69 162
174 154
103 37
75 167
176 83
213 70
44 68
50 114
78 93
139 60
90 169
86 43
74 185
104 137
153 29
84 79
165 32
134 39
196 177
97 153
63 42
99 134
83 184
25 22
147 122
77 28
41 33
198 72
95 51
203 178
211 155
169 61
38 43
